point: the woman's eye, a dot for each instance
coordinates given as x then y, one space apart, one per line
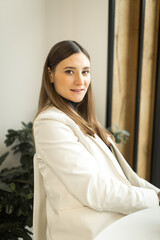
86 72
69 71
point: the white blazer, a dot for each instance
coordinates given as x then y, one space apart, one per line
80 186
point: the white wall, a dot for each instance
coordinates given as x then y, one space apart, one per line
22 50
29 28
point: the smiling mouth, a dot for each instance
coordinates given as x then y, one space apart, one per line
77 90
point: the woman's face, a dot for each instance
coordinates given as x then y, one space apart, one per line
72 77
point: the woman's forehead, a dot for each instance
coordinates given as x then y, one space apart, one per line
75 60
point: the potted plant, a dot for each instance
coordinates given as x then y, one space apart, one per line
121 136
16 186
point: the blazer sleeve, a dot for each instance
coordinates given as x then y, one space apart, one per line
60 149
133 178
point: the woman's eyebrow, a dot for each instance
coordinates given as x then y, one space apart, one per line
69 67
75 68
86 68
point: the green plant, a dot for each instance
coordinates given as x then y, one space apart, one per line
121 136
16 186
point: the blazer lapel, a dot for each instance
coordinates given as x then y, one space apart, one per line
130 174
112 156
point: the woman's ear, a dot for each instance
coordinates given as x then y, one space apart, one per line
50 73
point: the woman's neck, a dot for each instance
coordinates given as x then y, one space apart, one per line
72 104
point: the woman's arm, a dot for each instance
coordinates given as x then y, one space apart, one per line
133 178
61 150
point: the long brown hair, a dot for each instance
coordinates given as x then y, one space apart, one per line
84 115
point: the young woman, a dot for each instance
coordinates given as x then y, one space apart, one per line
82 182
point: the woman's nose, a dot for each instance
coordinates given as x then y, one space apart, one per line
79 79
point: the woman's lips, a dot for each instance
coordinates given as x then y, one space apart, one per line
77 90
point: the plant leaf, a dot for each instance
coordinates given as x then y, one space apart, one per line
9 209
30 196
3 157
12 186
5 187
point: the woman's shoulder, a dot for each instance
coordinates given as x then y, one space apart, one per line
52 113
49 112
54 119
